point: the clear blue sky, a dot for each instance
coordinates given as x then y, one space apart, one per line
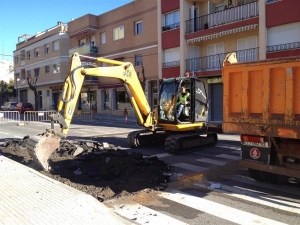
18 17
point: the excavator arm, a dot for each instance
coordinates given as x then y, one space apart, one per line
42 146
122 71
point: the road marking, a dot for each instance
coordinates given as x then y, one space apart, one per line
253 196
217 209
233 157
211 161
18 137
75 131
238 148
4 133
161 155
277 187
143 215
189 167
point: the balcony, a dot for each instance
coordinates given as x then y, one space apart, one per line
214 62
90 79
233 14
170 27
283 47
84 49
171 64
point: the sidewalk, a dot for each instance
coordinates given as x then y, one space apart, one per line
130 119
28 197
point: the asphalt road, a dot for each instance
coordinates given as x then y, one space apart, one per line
207 185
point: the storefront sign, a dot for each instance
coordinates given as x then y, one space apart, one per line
214 80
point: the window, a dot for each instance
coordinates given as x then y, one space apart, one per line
215 56
16 59
48 93
118 33
122 99
103 38
28 55
36 52
246 49
55 68
37 72
172 18
92 40
82 42
138 27
171 57
138 60
46 50
28 73
47 69
107 105
55 45
219 7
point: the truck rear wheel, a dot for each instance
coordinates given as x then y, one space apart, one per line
256 174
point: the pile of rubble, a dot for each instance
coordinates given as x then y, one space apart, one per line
99 169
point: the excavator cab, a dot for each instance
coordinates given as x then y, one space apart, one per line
195 108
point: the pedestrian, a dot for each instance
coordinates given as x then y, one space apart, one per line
125 114
186 74
182 100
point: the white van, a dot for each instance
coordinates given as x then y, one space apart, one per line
8 106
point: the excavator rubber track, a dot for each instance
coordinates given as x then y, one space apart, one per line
173 143
179 143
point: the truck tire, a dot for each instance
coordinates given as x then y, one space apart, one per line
256 174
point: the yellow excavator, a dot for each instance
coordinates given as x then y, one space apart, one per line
177 132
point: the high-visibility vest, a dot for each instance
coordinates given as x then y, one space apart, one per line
182 98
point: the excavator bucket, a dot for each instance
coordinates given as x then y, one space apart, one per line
40 147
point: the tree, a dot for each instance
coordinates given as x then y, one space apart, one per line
32 85
6 90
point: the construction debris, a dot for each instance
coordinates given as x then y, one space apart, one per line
99 169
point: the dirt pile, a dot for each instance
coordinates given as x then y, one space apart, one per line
99 169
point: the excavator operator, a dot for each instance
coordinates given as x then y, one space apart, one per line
182 100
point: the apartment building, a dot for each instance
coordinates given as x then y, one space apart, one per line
127 33
196 35
41 60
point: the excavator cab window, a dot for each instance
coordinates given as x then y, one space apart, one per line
184 110
167 100
200 101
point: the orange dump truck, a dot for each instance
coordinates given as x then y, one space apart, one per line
261 102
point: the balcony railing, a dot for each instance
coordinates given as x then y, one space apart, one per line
214 62
170 27
84 49
171 64
229 15
283 47
91 79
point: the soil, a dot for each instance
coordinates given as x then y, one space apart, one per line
98 169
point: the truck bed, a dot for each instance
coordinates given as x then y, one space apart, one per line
262 98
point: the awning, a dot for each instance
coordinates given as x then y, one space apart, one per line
222 33
85 31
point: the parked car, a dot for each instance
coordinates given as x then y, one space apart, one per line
8 106
23 106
